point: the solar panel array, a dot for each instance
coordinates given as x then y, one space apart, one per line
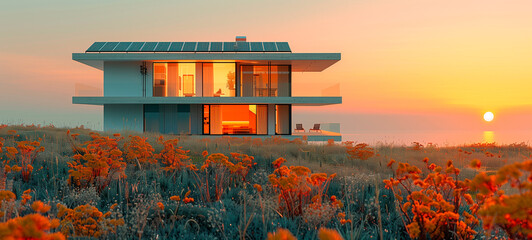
189 47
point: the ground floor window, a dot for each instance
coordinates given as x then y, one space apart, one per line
167 118
235 119
282 119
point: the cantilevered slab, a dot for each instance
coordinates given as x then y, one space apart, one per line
297 101
301 62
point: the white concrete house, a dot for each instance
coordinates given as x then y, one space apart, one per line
204 88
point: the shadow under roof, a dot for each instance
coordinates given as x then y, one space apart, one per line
117 47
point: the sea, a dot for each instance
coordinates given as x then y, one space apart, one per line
440 138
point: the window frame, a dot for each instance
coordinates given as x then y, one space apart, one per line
210 114
269 65
202 81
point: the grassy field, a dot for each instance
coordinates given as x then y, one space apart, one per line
108 185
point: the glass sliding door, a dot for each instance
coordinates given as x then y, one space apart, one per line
235 119
282 119
262 119
265 81
280 81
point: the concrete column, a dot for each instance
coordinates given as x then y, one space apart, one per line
149 79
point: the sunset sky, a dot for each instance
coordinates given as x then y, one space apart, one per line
406 65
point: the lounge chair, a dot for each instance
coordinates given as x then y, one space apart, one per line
316 128
299 128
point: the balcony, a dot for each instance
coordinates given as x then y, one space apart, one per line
323 132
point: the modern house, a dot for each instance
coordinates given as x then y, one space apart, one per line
203 88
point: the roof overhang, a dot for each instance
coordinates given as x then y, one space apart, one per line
297 101
301 62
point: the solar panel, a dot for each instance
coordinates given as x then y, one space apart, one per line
283 47
189 47
95 47
202 47
270 47
175 47
229 46
162 47
216 47
242 46
256 47
122 47
149 47
135 47
108 47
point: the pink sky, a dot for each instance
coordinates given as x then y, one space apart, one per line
406 65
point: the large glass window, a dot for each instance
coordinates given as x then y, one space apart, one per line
235 119
174 79
280 81
282 119
167 118
219 79
265 81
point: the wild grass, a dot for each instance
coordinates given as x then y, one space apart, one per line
237 209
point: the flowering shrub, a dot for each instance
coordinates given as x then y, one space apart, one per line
86 221
100 162
298 188
32 226
510 212
223 172
431 208
172 157
23 154
138 149
360 151
5 198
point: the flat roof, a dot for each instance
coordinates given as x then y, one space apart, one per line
240 46
301 62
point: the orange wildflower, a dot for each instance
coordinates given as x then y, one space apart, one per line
40 207
258 187
160 205
26 197
475 163
175 198
329 234
281 234
32 226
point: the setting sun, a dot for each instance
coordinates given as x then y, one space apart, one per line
488 116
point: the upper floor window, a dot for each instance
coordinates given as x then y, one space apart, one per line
219 80
174 79
265 81
194 80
